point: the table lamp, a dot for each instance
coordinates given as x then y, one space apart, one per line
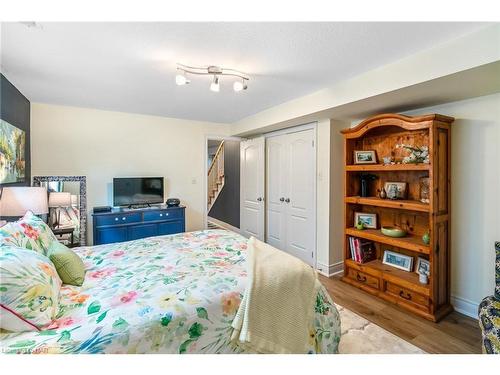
16 200
57 200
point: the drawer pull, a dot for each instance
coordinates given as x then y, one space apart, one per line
124 218
161 215
166 214
116 219
360 278
404 295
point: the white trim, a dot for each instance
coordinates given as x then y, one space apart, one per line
465 306
293 129
224 225
330 270
205 169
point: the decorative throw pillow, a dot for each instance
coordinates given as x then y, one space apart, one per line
29 292
30 232
68 264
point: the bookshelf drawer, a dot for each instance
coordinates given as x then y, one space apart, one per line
363 278
406 294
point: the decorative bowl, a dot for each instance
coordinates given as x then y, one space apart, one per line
393 232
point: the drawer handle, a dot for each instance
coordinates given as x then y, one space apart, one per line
360 278
116 219
124 218
161 215
404 295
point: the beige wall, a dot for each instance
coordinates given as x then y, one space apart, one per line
102 145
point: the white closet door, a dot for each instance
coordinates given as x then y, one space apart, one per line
276 149
252 188
301 197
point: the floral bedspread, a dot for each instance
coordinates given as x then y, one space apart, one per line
169 294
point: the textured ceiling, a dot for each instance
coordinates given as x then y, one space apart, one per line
130 67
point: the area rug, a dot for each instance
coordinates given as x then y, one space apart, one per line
360 336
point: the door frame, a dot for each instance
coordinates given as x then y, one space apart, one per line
205 169
295 129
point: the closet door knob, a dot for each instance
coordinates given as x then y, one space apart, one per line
287 200
282 199
259 199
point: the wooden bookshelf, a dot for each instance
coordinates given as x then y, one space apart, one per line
381 134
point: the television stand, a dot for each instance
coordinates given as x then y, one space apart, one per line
121 225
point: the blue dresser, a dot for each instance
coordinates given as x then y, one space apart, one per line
131 224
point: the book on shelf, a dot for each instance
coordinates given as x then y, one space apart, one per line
362 250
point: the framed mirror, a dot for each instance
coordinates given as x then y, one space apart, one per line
67 207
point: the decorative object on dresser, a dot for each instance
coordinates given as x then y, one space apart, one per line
173 202
73 212
16 201
395 190
368 220
398 260
382 134
123 224
364 179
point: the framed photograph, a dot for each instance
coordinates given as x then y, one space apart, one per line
365 157
12 153
423 267
395 190
369 220
403 262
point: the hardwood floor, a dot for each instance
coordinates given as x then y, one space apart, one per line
454 334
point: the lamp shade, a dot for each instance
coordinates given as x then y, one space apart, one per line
15 201
59 199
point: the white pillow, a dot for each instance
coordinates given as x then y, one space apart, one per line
29 291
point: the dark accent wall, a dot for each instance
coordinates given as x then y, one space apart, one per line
15 109
227 205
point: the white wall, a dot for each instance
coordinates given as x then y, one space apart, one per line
102 145
475 197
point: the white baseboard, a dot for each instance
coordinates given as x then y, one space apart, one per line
223 225
331 269
465 306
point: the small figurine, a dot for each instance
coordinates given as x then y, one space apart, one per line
382 193
360 225
426 238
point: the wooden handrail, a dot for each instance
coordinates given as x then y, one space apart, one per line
215 157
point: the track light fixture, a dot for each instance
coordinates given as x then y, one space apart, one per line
216 72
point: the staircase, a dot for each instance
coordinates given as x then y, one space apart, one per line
215 177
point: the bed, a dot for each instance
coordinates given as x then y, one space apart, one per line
168 294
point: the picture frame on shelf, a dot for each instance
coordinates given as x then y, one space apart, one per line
365 157
396 190
397 260
368 220
423 267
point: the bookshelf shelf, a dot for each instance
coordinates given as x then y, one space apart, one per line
381 134
410 242
412 205
390 167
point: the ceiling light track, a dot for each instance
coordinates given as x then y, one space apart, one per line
216 72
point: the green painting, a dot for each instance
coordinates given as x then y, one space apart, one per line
12 153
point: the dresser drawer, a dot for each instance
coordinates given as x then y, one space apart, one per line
124 218
406 294
162 215
363 278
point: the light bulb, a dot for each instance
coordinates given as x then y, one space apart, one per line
239 85
214 86
181 79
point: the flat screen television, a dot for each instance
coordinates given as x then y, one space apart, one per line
136 191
